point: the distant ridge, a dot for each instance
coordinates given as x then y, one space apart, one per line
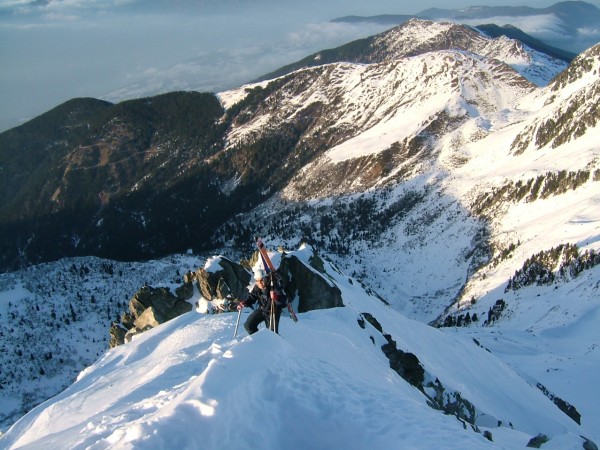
512 32
399 42
384 19
490 29
572 16
573 13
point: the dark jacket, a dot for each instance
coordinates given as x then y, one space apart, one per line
263 296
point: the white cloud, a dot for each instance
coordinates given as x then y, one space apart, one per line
329 32
58 16
59 9
545 27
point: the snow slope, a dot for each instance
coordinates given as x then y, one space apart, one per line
54 321
324 383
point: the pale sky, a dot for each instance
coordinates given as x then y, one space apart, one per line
54 50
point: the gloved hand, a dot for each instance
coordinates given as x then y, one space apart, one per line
275 296
240 306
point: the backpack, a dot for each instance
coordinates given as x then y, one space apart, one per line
277 293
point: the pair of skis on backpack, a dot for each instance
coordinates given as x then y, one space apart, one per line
270 270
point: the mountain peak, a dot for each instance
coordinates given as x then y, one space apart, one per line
570 23
418 36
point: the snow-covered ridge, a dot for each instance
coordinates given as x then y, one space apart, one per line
372 107
392 103
189 383
418 36
375 106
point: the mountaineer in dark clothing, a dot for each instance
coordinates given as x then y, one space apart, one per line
271 299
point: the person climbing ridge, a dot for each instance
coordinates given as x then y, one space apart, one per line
271 300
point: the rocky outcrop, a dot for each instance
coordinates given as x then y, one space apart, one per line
408 366
309 284
166 305
117 334
222 277
148 308
185 291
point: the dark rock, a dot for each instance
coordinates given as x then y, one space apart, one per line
536 442
148 308
166 305
230 279
408 366
405 364
312 289
117 335
452 402
563 405
127 320
185 291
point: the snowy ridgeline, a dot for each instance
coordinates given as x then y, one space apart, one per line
54 321
326 382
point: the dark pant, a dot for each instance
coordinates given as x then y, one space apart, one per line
258 316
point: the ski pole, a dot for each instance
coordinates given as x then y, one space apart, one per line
237 323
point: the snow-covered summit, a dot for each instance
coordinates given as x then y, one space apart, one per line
418 36
362 110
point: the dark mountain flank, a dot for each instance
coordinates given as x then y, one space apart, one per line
135 180
88 169
126 181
